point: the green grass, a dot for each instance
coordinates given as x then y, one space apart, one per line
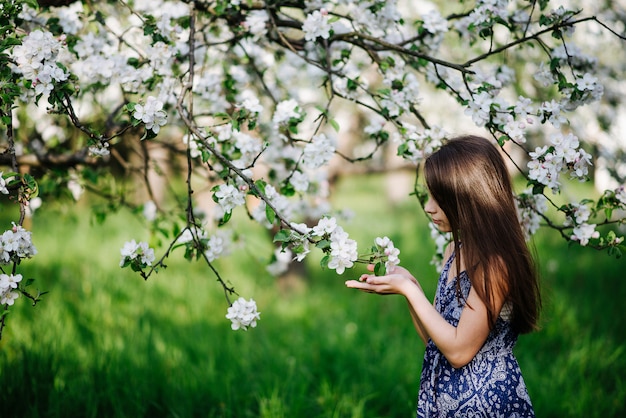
104 343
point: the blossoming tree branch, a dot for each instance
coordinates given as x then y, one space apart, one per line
262 105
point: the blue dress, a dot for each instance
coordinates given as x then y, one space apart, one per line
491 385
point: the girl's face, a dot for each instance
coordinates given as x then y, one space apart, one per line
437 216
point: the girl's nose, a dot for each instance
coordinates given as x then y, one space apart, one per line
429 207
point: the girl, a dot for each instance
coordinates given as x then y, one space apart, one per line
487 294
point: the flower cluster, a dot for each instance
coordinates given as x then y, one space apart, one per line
213 246
136 255
578 215
318 152
280 261
100 150
243 314
342 251
8 284
16 244
36 58
256 23
277 200
434 23
529 208
564 154
3 184
151 114
287 111
228 197
584 232
384 252
317 25
416 145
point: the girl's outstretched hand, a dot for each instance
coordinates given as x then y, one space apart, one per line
396 281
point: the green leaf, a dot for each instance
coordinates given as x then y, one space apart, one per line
537 187
403 148
225 218
324 261
334 124
283 235
31 183
379 269
323 244
287 189
260 184
98 17
9 42
270 214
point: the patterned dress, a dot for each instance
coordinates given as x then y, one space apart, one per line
491 385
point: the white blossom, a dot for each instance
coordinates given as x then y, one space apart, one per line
343 251
100 150
434 22
75 188
195 148
552 111
281 260
140 252
523 107
318 152
243 314
252 104
581 214
229 197
15 244
69 18
479 108
583 233
529 209
415 145
586 82
256 23
389 252
36 59
149 210
8 284
516 130
285 111
325 226
547 164
544 76
249 147
216 247
152 114
316 25
299 181
3 184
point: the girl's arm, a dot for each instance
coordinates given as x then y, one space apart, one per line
458 344
419 327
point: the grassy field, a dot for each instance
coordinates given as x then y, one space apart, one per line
104 343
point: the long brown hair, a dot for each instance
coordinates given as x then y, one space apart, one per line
469 180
